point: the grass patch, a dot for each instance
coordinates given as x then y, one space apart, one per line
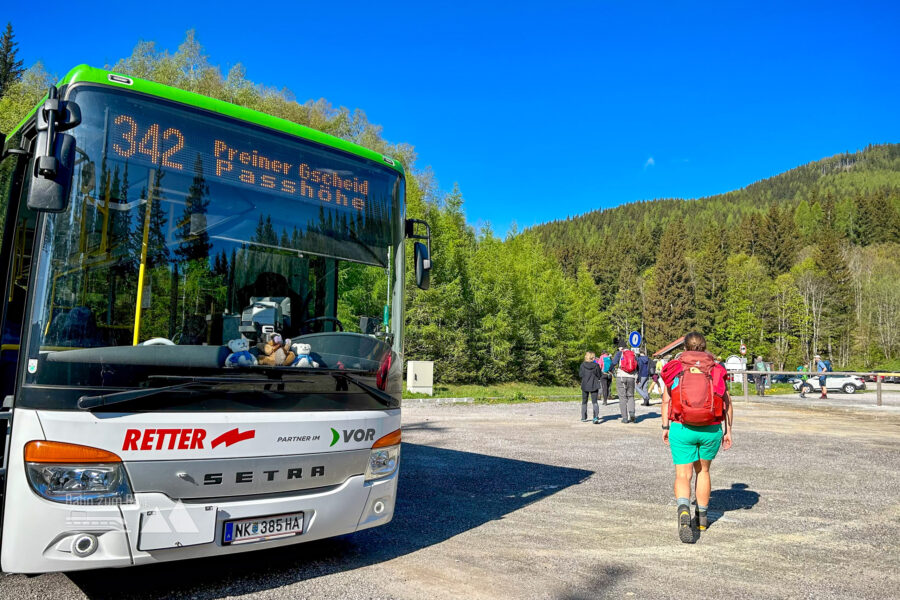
502 393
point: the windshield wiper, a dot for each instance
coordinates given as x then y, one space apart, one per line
92 402
382 397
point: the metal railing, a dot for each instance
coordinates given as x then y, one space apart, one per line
879 378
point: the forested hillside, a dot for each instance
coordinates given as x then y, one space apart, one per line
804 261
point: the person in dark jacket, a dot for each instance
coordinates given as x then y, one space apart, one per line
643 379
590 374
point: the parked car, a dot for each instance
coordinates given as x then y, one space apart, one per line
885 378
782 378
848 384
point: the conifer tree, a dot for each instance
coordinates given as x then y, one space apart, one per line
710 281
669 304
837 313
778 241
10 68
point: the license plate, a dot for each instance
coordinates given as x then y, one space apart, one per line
262 528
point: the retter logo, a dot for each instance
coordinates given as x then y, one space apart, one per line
233 437
180 439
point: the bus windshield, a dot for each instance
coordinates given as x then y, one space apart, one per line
186 231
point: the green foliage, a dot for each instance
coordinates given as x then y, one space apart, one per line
22 96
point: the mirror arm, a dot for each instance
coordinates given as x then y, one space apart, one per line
47 164
14 151
411 234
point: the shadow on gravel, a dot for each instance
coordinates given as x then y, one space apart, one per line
601 585
738 497
645 416
443 493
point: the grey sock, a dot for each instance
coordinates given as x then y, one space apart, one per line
702 508
684 501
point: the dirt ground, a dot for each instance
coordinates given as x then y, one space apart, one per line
525 501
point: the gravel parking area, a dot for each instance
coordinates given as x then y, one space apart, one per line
525 501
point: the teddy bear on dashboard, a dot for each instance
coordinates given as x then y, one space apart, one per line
240 353
304 358
272 352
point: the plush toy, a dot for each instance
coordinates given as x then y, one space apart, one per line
273 353
303 357
240 353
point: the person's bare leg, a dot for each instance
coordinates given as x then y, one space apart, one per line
683 475
702 490
703 485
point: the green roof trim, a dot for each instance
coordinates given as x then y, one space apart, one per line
87 74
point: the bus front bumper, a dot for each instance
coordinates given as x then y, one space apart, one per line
169 530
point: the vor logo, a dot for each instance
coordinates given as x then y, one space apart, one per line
356 435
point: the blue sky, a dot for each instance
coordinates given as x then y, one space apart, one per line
546 110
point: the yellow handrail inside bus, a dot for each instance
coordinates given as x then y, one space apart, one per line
144 249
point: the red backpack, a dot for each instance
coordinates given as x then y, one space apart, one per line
692 389
628 362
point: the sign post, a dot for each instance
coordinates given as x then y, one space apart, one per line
743 348
634 339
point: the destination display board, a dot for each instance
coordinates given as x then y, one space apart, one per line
185 142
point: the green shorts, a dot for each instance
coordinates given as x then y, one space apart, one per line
690 443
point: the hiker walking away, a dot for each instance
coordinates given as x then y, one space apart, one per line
643 377
590 383
605 362
626 375
802 369
695 405
822 367
760 380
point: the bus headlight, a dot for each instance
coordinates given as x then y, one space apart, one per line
75 474
385 457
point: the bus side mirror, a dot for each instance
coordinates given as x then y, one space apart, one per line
50 193
54 154
423 265
421 252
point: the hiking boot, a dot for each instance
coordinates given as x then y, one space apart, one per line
596 420
685 531
625 420
584 420
645 403
631 419
605 401
702 520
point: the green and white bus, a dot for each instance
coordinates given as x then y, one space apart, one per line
202 329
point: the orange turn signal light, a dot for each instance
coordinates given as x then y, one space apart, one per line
391 439
61 452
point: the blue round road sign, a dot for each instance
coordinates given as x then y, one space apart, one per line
634 338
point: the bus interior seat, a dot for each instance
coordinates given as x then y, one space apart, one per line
76 327
193 331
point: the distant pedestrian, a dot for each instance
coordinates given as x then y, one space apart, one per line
822 367
626 376
605 362
643 377
802 369
590 382
655 382
693 412
760 380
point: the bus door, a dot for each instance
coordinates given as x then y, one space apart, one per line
17 232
